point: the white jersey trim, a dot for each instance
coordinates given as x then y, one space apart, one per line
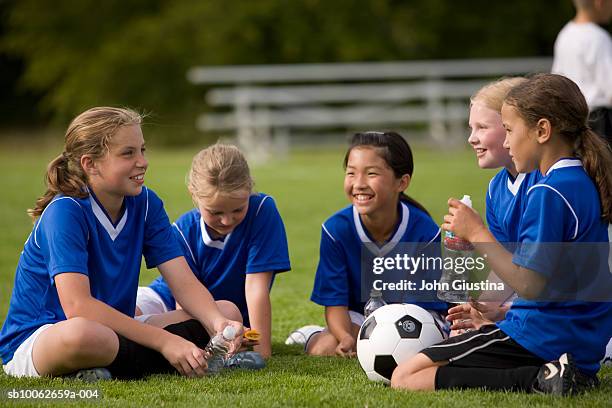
184 239
260 204
564 163
514 187
328 233
208 241
372 247
99 213
564 199
147 205
43 213
435 236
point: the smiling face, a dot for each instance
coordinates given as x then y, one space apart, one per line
370 184
120 172
223 212
521 140
487 138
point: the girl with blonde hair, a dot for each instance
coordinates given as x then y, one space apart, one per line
75 288
235 243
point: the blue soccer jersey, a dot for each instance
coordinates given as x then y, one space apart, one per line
563 206
76 235
505 201
257 244
338 278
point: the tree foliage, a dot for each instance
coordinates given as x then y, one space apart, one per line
83 53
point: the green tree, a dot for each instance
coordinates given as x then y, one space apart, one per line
136 52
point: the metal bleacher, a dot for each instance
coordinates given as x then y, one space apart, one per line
265 105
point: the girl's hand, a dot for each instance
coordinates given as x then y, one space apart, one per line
346 347
475 314
220 324
491 311
187 358
463 221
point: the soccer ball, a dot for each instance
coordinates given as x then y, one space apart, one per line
393 334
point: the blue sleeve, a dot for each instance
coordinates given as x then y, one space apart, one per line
62 236
182 235
434 233
331 280
425 230
268 243
160 244
546 219
492 221
184 231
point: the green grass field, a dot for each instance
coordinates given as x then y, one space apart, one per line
307 187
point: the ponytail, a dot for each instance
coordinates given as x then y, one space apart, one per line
596 158
62 177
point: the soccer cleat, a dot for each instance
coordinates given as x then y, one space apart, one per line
557 377
91 375
247 360
303 334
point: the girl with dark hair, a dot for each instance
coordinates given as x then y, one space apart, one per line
378 168
544 344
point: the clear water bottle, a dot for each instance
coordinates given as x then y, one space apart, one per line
455 247
376 300
217 349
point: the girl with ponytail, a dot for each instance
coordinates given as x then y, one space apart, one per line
73 301
546 343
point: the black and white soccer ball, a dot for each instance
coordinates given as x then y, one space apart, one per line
393 334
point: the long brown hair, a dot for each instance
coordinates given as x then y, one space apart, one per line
89 133
559 100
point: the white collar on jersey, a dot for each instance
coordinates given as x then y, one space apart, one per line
208 241
564 163
514 187
372 247
100 214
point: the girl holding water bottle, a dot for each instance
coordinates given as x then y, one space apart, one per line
536 347
505 198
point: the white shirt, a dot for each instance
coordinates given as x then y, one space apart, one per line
583 53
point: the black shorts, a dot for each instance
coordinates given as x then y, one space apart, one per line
488 347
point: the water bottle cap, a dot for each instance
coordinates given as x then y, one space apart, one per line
229 332
467 200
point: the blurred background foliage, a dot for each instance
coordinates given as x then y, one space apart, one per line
60 57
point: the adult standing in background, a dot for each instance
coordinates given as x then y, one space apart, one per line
583 53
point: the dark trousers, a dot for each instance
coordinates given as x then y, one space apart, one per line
600 120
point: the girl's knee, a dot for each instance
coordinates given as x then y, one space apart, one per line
82 336
401 376
229 310
409 374
322 345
